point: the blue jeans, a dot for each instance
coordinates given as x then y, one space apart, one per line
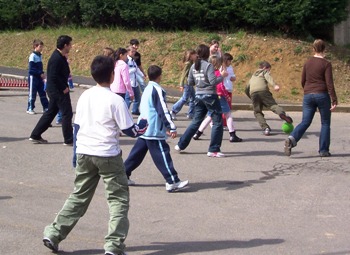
203 104
311 103
188 94
137 99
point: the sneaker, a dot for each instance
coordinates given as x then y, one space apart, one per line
286 118
177 148
111 253
287 147
135 113
325 154
131 182
190 117
215 155
38 141
45 110
197 135
68 144
234 138
49 244
58 122
267 131
176 186
173 115
31 112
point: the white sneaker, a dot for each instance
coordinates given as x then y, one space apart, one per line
267 131
177 148
176 186
215 154
131 182
173 115
31 112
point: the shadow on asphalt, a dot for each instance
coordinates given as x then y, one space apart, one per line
83 252
175 248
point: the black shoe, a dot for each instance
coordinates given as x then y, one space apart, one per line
135 113
234 138
286 118
51 245
325 154
197 135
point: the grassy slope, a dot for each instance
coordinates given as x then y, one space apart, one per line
166 49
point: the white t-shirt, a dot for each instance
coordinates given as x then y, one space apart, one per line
227 83
101 114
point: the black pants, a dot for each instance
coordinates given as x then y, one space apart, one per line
57 102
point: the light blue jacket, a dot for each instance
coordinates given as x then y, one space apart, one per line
153 108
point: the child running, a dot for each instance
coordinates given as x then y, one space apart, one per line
154 109
188 91
258 91
224 102
100 115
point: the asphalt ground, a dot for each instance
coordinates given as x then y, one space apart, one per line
255 201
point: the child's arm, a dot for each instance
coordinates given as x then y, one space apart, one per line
126 79
136 129
185 73
158 99
270 81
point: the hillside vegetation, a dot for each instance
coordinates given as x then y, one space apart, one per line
166 50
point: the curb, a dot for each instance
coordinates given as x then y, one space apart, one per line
173 99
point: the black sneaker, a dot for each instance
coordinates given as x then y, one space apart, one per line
286 118
38 141
49 244
287 147
234 138
325 154
197 135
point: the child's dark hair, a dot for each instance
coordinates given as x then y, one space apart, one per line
134 42
214 42
109 52
264 65
154 72
63 40
118 52
203 54
101 69
187 55
37 42
319 46
227 57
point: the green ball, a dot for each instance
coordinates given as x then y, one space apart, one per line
287 127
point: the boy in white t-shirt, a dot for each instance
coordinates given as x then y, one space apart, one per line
100 115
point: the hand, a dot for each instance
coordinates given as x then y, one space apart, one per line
277 88
132 98
233 79
171 134
224 74
42 76
333 107
66 91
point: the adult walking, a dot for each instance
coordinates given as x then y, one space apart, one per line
202 75
319 93
58 92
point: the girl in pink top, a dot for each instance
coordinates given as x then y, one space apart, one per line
121 82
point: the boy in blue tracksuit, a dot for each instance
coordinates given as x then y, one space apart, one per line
36 78
154 109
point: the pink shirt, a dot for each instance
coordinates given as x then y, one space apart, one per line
121 82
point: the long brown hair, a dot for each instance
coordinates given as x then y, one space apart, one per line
203 54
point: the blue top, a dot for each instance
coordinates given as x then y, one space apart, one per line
35 64
153 108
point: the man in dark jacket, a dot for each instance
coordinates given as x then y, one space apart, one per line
58 92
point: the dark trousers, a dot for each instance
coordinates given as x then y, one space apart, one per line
36 85
57 102
160 153
203 104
